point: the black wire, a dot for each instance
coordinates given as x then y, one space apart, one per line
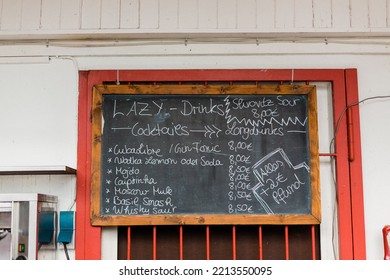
332 144
341 117
66 251
346 109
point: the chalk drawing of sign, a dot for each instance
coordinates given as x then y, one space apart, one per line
278 180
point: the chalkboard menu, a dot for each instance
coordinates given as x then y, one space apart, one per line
177 154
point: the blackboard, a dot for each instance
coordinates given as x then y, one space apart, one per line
204 155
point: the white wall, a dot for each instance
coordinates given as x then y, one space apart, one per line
38 124
38 114
45 133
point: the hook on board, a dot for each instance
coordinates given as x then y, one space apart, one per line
117 77
292 75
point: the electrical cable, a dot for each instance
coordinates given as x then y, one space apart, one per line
331 150
66 250
345 110
127 42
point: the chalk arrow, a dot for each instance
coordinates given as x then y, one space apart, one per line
209 131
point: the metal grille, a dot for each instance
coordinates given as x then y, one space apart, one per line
268 242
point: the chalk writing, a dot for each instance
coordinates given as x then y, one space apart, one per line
277 180
168 155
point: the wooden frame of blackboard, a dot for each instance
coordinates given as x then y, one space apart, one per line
97 219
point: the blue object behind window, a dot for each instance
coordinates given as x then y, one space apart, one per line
46 227
66 227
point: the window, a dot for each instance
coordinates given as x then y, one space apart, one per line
234 242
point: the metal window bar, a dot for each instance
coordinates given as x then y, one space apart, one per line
260 243
313 242
207 242
234 242
286 242
288 233
129 243
154 243
181 242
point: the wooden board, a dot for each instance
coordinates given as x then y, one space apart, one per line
194 154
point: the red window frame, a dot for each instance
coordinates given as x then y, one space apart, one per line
348 144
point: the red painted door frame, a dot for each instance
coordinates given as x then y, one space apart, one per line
348 152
